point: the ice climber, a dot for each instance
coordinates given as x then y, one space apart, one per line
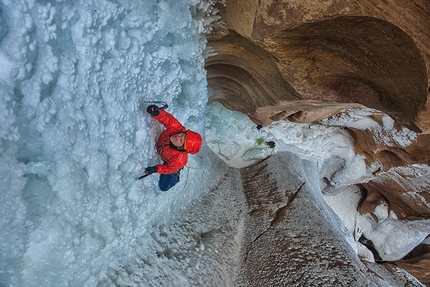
173 146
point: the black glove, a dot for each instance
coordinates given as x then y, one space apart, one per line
153 110
151 170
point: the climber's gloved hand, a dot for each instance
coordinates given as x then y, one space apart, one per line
151 170
153 110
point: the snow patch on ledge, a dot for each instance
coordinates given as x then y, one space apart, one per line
384 132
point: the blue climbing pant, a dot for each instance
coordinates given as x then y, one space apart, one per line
167 181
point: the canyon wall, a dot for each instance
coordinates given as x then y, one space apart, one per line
317 61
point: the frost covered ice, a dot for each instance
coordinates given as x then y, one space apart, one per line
73 138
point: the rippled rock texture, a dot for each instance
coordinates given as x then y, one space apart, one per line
315 61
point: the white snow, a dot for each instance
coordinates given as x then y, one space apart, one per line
364 119
74 135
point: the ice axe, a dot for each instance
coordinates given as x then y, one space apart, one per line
142 176
165 106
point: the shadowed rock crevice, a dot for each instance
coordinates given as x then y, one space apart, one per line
416 263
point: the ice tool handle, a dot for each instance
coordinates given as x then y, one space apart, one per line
142 176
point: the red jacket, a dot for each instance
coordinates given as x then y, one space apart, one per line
173 158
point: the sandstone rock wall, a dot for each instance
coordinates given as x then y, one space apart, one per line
370 52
